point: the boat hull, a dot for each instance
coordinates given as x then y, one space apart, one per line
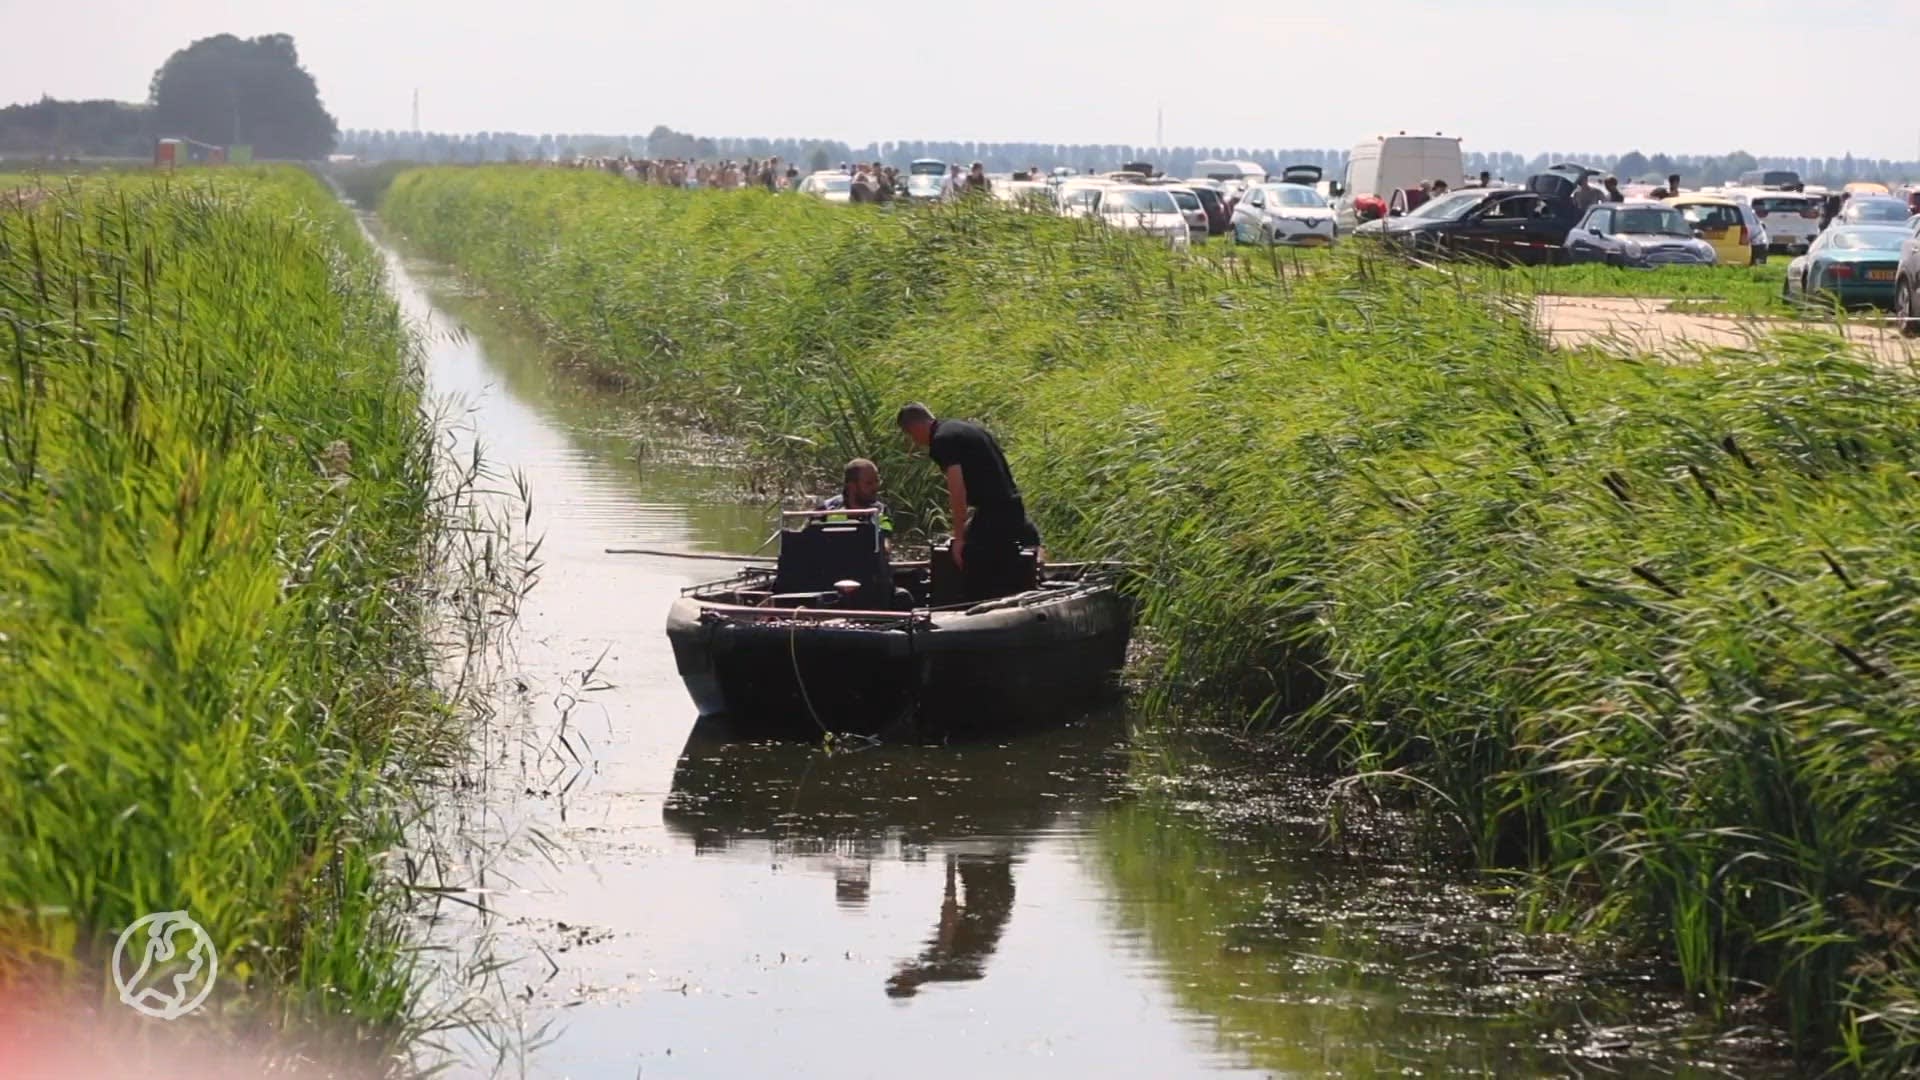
1019 663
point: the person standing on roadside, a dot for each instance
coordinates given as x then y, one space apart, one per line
977 182
986 547
1613 189
952 184
1673 185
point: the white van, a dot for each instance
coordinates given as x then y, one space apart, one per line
1388 163
1235 174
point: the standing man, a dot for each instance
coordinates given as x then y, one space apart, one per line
1585 194
977 182
1673 185
952 184
1613 190
987 548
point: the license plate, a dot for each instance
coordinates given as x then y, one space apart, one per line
1879 275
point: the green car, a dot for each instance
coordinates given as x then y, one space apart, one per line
1853 264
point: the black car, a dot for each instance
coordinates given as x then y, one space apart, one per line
1527 225
1215 204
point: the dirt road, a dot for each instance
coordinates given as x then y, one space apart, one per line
1648 325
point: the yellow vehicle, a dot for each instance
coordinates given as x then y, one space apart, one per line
1865 187
1719 222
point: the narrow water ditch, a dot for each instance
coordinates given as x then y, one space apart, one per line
1070 902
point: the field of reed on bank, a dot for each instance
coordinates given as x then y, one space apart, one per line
215 507
1644 629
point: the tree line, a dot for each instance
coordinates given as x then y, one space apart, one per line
221 90
815 154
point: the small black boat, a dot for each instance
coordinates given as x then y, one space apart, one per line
836 639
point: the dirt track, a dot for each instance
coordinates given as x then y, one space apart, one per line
1643 325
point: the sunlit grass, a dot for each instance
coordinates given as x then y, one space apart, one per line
214 508
1646 629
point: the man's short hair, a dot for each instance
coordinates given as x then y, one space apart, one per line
856 467
913 413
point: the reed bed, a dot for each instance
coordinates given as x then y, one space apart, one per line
1644 631
215 489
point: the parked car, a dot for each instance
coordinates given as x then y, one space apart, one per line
924 177
1081 198
1235 174
1388 163
1284 214
1874 210
833 186
1527 225
1025 194
1143 209
1718 220
1772 179
1643 234
1906 283
1214 202
1191 208
1854 264
1792 219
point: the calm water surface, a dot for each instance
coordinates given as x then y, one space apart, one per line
1067 903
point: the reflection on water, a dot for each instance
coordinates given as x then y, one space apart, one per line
1055 904
1373 955
970 924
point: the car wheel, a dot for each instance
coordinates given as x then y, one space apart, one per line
1906 309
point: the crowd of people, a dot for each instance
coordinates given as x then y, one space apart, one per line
875 182
769 173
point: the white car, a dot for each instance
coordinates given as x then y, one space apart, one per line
1149 210
1792 219
1284 214
1080 198
1190 208
836 187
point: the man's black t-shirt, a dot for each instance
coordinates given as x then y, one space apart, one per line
982 465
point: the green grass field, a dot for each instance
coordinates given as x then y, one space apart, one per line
214 508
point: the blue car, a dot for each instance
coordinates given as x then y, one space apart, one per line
1853 264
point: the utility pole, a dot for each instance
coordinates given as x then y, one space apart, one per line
1159 130
416 110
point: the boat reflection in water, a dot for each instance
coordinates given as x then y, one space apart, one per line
976 807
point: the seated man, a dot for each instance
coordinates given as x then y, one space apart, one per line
860 490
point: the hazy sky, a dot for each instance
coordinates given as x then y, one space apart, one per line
1707 76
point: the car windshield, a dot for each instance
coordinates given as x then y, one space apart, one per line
1867 239
1448 208
1650 221
1294 196
1138 202
1875 210
928 168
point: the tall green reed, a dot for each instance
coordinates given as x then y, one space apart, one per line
1644 627
215 508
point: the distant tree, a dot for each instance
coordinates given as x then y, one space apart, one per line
1633 163
818 160
1738 162
224 89
1662 165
